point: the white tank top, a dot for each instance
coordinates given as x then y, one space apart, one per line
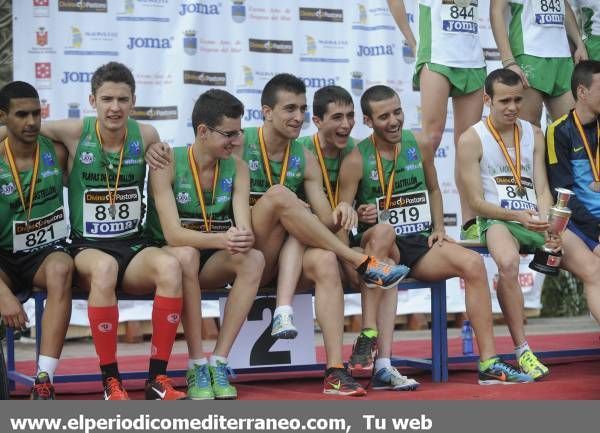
449 34
537 28
497 179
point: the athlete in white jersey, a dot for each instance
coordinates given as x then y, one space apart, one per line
535 44
590 22
450 63
503 176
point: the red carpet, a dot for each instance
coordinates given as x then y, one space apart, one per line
569 379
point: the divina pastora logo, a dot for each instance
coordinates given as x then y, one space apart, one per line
271 46
155 113
83 6
319 14
205 78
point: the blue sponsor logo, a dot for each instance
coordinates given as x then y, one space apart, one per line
549 19
135 148
318 82
153 43
48 159
190 42
253 114
460 26
407 54
412 154
74 112
238 11
199 7
375 50
76 77
294 163
227 184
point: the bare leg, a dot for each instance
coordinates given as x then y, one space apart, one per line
531 107
290 268
559 105
435 90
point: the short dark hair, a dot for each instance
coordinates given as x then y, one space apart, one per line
286 82
327 95
375 94
16 90
504 76
213 105
115 72
583 74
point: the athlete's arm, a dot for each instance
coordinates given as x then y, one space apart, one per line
149 135
66 131
62 154
398 11
560 174
176 235
438 234
349 178
573 34
498 9
242 238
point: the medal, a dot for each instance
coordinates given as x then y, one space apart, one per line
267 164
199 192
385 215
515 167
112 210
521 191
594 161
112 195
462 3
390 184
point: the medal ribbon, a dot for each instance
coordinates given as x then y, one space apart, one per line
594 163
267 164
380 174
15 175
199 192
112 197
333 199
515 167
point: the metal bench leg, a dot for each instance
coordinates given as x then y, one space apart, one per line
439 357
10 356
39 311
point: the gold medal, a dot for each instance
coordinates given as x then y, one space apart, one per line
112 210
112 195
192 161
595 186
385 215
521 191
462 3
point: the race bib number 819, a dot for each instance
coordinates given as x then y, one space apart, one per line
409 213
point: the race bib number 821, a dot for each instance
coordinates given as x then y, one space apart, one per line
39 232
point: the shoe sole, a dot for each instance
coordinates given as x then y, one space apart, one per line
226 397
286 335
499 382
357 393
387 287
201 398
540 377
391 388
362 372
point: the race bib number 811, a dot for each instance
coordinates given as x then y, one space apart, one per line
39 232
409 213
100 222
510 197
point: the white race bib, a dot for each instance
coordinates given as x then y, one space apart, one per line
97 219
508 196
460 19
198 225
40 231
549 13
409 213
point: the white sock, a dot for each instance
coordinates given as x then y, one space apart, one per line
214 358
283 309
47 364
381 363
199 361
521 349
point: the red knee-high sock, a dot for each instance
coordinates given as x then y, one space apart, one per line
166 314
104 322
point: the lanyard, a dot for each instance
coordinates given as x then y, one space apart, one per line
595 163
17 180
199 192
333 198
112 195
380 174
265 158
515 167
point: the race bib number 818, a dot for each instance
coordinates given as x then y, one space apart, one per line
100 222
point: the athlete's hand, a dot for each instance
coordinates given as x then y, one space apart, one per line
158 155
438 237
344 216
367 213
12 312
516 68
239 240
580 54
531 221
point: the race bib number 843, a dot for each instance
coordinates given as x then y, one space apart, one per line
99 222
549 13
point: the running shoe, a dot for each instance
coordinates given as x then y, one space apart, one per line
363 356
390 378
219 376
161 388
113 389
381 274
283 326
339 382
532 366
502 373
42 388
198 383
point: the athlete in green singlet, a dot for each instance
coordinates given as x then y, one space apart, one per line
33 251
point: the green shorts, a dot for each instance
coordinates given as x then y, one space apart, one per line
592 44
550 76
462 80
528 240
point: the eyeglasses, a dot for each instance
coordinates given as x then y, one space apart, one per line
227 134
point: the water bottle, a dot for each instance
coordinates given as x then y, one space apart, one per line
467 338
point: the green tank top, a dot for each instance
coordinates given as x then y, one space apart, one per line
332 165
409 210
47 223
89 203
188 203
259 183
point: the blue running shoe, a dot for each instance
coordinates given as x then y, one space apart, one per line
390 378
501 373
380 274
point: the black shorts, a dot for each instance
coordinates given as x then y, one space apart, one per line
22 267
412 248
123 250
